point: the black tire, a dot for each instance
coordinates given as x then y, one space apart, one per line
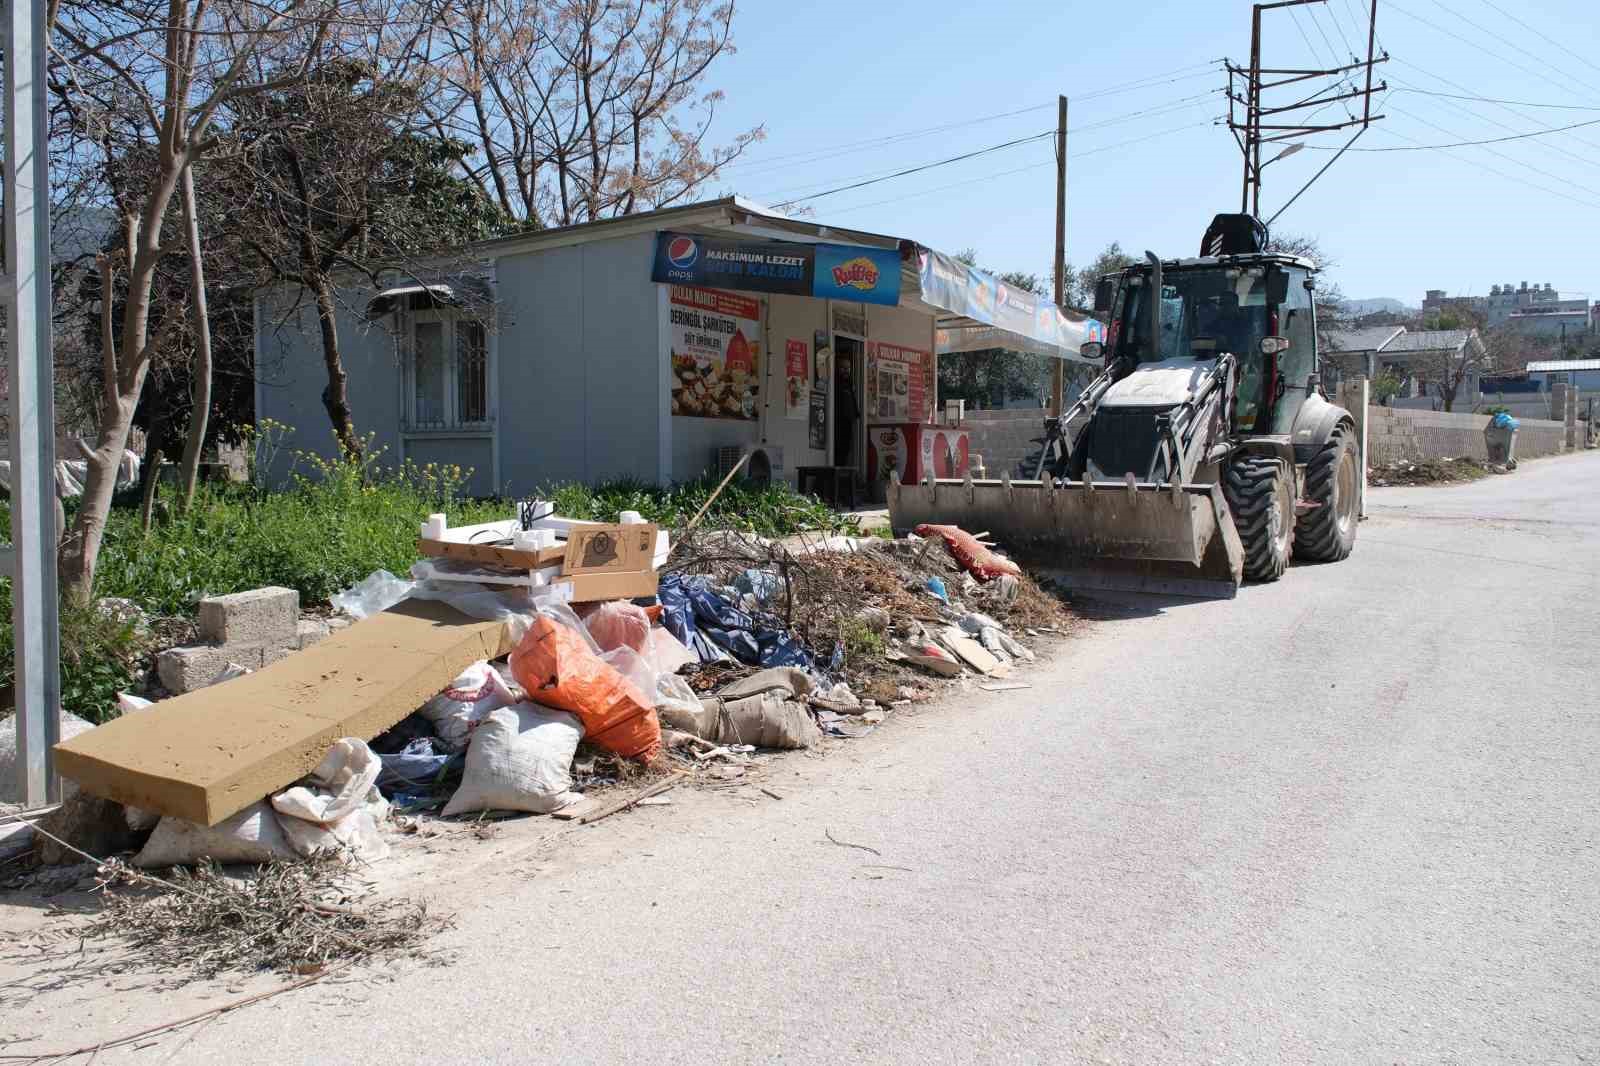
1333 482
1260 494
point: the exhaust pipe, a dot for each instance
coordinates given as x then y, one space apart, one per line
1155 305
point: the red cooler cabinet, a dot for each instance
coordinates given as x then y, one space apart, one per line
907 451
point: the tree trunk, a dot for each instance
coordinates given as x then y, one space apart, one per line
80 550
152 478
200 411
336 396
124 366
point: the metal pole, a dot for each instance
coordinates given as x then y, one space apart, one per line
1372 37
1252 161
1056 375
34 609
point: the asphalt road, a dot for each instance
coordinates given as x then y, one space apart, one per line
1350 817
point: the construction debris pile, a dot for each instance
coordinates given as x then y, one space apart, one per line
524 661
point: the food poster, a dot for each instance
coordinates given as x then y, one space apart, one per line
897 385
796 380
715 340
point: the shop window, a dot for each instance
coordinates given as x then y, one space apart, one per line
448 373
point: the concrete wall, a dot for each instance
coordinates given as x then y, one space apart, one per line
1401 434
1004 438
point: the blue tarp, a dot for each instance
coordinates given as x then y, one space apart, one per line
710 626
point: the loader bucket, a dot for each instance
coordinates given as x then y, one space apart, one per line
1131 536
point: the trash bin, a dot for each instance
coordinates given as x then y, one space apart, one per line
1500 438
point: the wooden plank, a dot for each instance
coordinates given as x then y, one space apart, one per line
209 754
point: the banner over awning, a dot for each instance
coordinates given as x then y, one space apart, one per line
998 315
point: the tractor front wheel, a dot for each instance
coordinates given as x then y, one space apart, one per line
1260 494
1333 482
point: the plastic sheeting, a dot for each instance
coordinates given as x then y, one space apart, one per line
708 624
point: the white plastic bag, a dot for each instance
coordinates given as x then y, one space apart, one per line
520 759
341 807
378 591
251 836
666 652
137 817
479 690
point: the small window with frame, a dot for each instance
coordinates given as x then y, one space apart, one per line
447 372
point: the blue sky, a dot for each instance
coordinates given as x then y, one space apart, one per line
826 75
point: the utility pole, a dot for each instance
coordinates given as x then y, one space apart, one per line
1056 369
1281 125
26 286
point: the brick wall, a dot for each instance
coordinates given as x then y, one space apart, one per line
1003 438
1394 434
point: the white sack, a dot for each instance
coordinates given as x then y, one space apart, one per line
252 836
520 759
479 690
341 807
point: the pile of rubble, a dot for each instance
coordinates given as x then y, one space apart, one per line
579 655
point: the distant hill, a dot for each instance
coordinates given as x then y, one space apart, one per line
1374 305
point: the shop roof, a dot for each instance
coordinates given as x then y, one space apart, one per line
969 306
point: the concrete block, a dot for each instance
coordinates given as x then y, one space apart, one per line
259 616
188 669
311 631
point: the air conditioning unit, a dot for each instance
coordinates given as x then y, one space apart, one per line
764 466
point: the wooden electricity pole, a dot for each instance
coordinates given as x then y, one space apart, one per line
1061 242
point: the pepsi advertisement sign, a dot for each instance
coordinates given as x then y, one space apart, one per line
825 271
713 263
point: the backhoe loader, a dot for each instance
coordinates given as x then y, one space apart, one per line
1205 453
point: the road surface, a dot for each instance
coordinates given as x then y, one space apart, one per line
1350 817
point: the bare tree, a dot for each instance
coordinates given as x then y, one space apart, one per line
327 184
156 73
583 109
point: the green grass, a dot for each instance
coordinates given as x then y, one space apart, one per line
333 526
775 511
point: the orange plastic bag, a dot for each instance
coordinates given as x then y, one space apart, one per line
556 667
976 559
619 624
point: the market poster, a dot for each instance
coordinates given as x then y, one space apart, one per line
897 390
821 363
715 353
796 383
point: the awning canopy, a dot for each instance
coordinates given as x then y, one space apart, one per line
985 313
460 292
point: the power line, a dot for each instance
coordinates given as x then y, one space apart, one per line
1031 166
1542 36
1311 13
1474 44
1493 100
1504 107
1509 43
1479 164
1177 105
1514 160
918 169
1466 144
818 154
1475 113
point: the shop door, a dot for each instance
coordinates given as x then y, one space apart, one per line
849 441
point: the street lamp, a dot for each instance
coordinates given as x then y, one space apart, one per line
1285 154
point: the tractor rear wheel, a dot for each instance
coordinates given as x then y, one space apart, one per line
1333 482
1260 494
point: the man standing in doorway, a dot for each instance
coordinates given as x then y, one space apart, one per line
845 411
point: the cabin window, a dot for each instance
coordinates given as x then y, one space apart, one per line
448 371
